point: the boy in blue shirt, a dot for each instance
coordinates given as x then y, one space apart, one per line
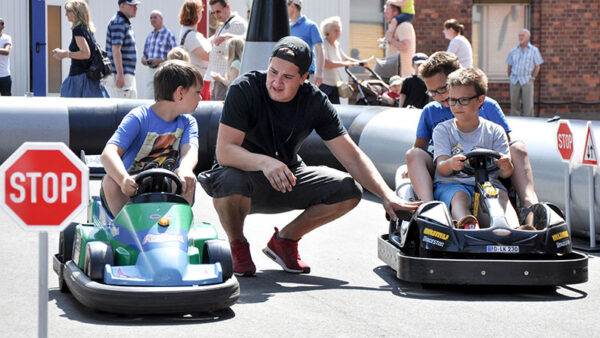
466 132
162 135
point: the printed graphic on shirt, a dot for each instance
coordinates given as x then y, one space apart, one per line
457 149
158 151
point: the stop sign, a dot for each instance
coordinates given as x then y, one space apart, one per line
564 140
43 186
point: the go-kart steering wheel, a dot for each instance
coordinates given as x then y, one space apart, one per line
157 180
481 158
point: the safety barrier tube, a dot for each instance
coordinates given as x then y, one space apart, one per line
384 134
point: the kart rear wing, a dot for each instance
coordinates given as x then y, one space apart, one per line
93 162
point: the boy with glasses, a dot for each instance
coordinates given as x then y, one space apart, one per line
453 138
419 160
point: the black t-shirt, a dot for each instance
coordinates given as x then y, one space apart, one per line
80 66
277 129
415 90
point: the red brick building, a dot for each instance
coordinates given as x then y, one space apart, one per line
567 34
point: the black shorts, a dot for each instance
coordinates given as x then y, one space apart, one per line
314 185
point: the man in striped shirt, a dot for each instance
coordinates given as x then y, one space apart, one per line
120 46
158 44
523 67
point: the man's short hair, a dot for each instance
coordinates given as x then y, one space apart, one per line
174 73
469 77
294 50
439 62
157 12
221 2
1 22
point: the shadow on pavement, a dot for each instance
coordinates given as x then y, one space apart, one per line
74 310
270 282
479 292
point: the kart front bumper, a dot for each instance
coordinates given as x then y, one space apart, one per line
569 269
147 299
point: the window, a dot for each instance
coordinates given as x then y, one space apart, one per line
495 32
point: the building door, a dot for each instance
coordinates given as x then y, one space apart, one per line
38 47
54 41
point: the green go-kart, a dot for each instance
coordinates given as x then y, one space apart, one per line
151 258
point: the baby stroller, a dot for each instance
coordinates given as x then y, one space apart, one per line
368 92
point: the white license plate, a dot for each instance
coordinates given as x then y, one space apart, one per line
503 248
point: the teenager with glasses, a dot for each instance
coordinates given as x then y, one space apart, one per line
419 159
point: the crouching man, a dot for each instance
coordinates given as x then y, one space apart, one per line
265 119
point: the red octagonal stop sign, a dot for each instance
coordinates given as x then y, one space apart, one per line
564 140
43 186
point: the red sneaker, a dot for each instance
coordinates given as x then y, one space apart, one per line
242 261
285 253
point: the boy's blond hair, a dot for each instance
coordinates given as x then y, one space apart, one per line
178 53
469 77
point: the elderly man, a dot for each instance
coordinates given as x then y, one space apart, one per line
158 44
402 40
266 117
232 25
523 67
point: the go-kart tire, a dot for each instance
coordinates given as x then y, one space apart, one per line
65 251
218 250
97 255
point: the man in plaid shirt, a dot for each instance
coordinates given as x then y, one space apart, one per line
158 44
232 25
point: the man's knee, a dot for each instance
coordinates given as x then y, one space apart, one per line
518 149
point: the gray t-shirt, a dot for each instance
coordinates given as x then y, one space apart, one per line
450 141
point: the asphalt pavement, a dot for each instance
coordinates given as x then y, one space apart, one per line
349 293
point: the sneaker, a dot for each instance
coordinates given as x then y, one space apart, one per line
242 261
285 253
468 222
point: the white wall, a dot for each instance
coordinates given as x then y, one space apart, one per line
16 16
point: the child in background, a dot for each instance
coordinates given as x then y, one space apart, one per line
392 95
465 132
407 9
235 49
178 53
162 135
414 90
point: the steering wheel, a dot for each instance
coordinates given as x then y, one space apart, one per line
157 180
481 158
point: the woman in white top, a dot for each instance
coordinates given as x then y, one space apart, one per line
235 48
335 58
194 42
459 45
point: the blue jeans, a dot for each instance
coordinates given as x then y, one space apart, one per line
81 86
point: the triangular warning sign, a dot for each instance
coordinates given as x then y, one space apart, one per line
589 152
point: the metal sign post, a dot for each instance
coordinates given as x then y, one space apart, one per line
590 157
43 285
564 143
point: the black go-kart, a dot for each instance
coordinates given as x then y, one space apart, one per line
427 247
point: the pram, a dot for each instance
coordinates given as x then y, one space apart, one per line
368 92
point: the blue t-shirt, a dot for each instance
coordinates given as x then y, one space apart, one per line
151 142
434 113
309 32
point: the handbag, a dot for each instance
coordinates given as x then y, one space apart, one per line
344 89
99 64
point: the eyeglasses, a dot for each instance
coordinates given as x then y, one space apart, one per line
463 101
438 91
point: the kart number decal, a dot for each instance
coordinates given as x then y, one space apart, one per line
503 248
560 235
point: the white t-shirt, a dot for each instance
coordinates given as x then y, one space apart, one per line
461 47
332 53
5 59
192 41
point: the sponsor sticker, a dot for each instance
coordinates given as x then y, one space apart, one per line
437 234
433 241
150 238
562 243
503 248
560 235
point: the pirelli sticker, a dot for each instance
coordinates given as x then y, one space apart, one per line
560 235
436 234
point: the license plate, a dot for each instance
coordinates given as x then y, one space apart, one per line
503 248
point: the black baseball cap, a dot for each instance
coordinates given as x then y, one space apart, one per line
302 54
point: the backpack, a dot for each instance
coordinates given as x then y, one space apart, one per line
99 63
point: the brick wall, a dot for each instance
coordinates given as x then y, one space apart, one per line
568 36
